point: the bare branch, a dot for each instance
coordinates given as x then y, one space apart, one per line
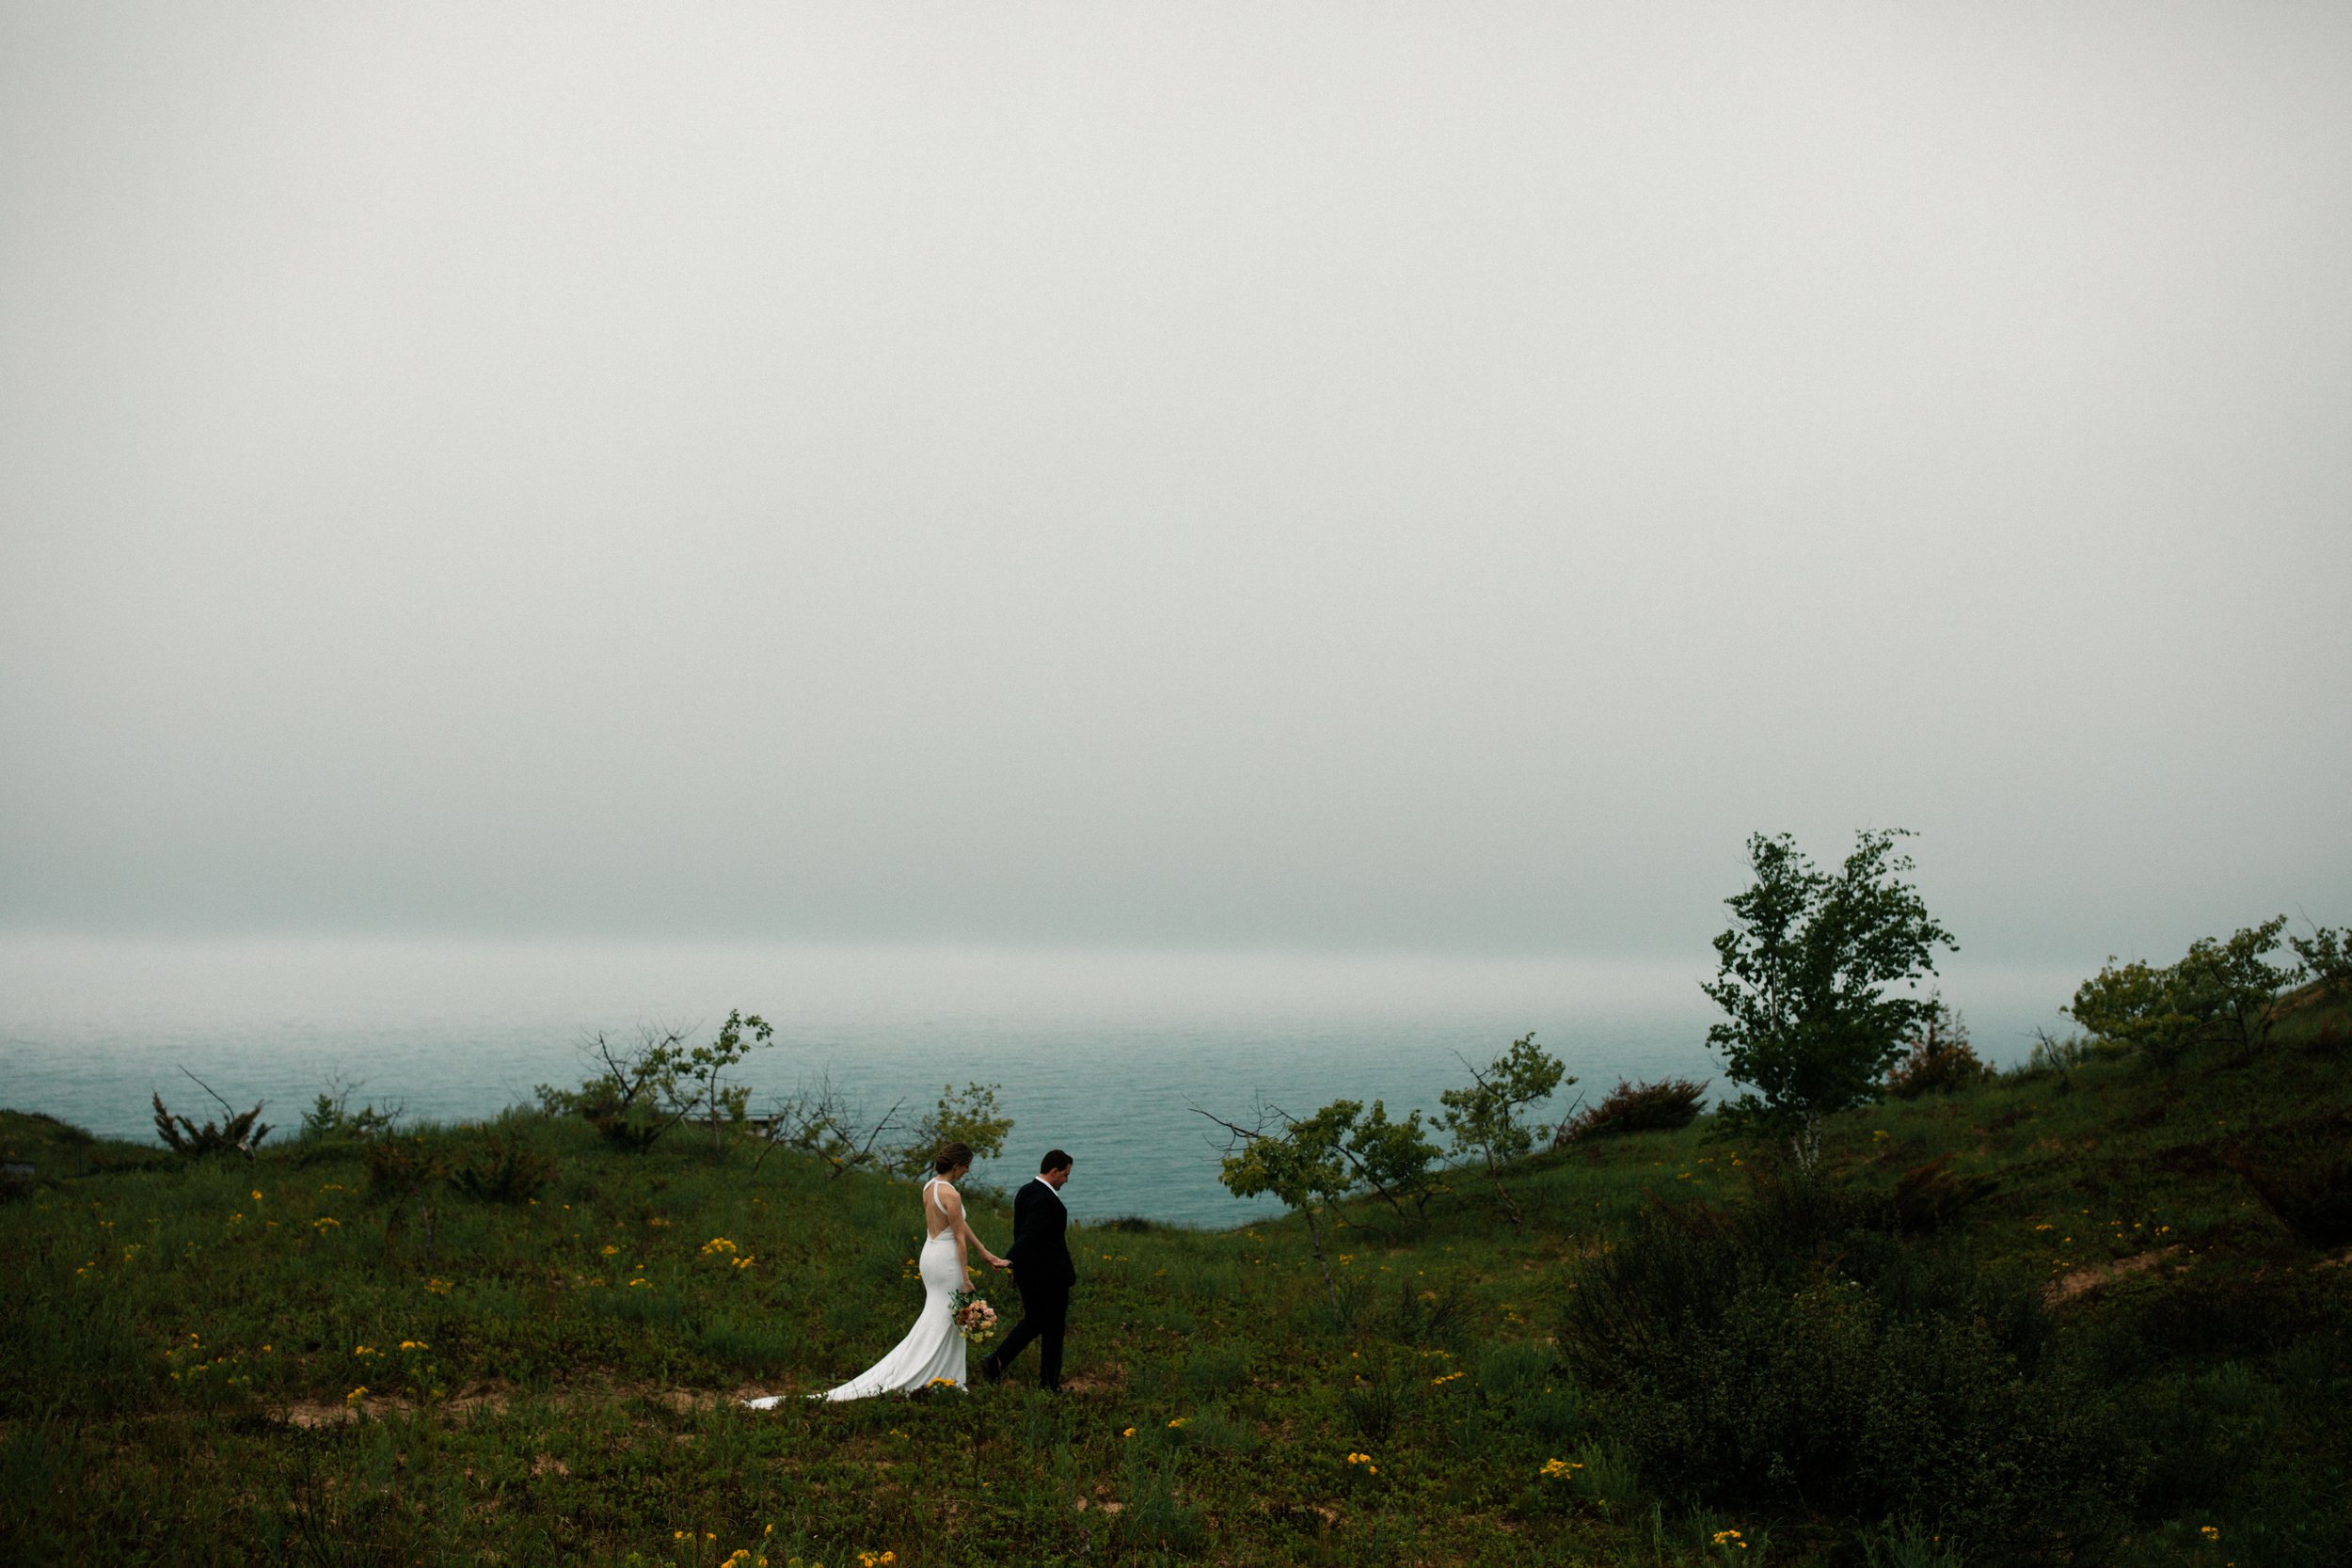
226 1108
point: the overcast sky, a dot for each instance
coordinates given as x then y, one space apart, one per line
1412 476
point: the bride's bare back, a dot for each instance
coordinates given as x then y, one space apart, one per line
942 1213
943 1207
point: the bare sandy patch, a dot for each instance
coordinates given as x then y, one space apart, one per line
2081 1282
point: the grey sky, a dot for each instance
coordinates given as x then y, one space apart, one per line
1428 476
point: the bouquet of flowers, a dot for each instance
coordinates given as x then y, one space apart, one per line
975 1319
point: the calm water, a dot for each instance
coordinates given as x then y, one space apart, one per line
1101 1053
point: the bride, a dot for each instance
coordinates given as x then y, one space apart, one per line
933 1349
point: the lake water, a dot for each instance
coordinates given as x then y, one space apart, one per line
1101 1053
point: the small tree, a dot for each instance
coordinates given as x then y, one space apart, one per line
1483 1117
2327 954
2218 991
638 1093
826 1121
968 1117
1302 1165
1805 976
1392 1158
702 1077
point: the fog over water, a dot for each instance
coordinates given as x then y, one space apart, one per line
1312 483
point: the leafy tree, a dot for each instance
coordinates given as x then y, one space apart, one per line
2327 954
1392 1158
1806 977
639 1092
1483 1115
2219 990
1303 1165
969 1116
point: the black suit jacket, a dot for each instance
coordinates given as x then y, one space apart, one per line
1040 1253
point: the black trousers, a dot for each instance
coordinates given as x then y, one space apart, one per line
1044 1316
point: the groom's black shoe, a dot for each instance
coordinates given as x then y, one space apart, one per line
990 1370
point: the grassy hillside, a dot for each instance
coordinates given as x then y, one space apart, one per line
2093 1314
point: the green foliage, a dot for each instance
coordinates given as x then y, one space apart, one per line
637 1092
2327 954
2220 991
1911 1545
330 1118
1484 1116
401 1167
1373 1397
1665 1106
1805 978
1395 1160
1300 1163
969 1116
1780 1355
526 1399
505 1168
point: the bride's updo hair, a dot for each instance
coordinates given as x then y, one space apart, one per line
950 1156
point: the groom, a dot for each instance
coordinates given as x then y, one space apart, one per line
1039 1256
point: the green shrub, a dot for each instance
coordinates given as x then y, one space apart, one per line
1664 1106
2307 1183
1781 1355
1938 1058
504 1169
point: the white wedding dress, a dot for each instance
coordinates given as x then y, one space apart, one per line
933 1349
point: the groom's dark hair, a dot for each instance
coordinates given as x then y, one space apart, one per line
1055 1160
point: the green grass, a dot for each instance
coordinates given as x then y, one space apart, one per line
552 1382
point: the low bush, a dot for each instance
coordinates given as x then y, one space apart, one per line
1937 1059
504 1169
400 1167
2306 1181
1926 1197
1781 1355
1664 1106
238 1132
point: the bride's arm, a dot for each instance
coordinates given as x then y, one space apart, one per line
964 1236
